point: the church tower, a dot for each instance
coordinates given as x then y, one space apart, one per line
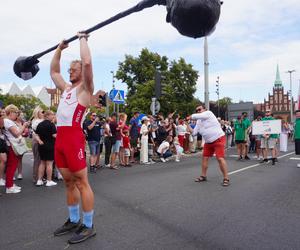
278 101
278 82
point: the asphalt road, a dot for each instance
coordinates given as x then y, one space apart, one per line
161 207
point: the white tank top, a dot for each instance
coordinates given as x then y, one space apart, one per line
70 112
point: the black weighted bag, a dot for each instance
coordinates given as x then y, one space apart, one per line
194 18
26 67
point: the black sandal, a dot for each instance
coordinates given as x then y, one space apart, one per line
201 179
225 182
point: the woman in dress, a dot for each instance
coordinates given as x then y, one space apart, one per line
144 140
11 132
37 118
45 135
284 136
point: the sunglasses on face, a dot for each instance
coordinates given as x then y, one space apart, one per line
198 110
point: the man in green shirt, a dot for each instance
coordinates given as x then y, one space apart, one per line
297 134
240 132
268 141
247 125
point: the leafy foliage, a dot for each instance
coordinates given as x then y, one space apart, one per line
179 81
25 103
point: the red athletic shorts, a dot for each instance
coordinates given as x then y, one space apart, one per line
69 149
217 147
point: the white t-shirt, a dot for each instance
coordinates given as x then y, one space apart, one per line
163 147
208 126
7 125
181 129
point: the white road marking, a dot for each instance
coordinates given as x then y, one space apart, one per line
256 165
295 158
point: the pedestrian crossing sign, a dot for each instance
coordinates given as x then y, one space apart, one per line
117 96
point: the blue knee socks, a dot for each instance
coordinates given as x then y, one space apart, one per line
74 213
88 218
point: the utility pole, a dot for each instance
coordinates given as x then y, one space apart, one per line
218 93
291 93
113 86
206 83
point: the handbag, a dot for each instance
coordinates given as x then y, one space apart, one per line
19 145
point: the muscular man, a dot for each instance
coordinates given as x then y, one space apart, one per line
69 146
214 137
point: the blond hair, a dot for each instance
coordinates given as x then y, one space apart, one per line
76 61
11 108
35 113
123 116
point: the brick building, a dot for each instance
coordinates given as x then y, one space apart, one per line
278 101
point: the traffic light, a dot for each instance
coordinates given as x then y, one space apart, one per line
102 100
160 84
157 84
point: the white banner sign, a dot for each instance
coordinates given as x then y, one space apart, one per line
266 127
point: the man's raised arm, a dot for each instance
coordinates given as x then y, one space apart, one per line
86 59
55 67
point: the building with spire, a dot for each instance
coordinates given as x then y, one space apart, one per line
278 101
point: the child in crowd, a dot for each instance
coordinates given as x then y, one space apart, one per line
163 150
179 149
127 148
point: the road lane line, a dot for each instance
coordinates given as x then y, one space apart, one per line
256 165
295 158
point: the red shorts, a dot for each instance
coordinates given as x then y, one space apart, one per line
217 147
69 149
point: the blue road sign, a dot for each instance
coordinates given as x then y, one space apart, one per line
117 96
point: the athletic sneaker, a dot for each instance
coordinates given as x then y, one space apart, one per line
247 157
20 177
39 183
2 182
50 183
17 187
298 165
13 190
240 158
162 159
82 234
177 160
67 227
264 161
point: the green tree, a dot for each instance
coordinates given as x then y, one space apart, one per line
178 81
25 103
225 101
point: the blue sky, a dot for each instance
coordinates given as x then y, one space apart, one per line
250 39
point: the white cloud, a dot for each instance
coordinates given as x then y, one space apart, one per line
250 39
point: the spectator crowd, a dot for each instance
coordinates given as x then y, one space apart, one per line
140 140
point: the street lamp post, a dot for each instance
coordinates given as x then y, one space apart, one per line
291 93
218 93
206 65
